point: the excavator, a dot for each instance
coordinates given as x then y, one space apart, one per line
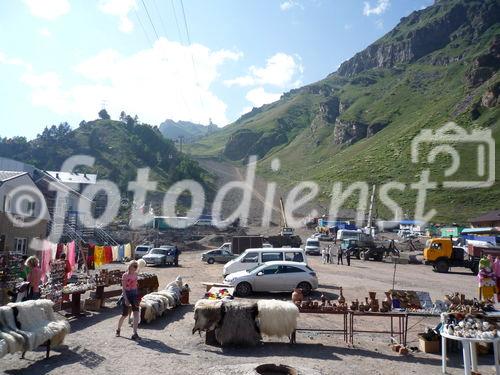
287 236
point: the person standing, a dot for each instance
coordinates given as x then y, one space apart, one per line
34 277
339 256
329 254
348 256
176 256
130 298
323 255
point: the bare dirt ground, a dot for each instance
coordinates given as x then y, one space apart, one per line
168 347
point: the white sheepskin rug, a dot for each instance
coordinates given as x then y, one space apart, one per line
277 318
38 317
14 339
155 304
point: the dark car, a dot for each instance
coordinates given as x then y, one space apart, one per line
219 256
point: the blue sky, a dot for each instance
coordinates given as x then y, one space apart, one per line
61 60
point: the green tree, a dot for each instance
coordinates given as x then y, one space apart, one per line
103 114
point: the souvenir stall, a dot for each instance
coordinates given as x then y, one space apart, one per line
323 306
52 289
10 268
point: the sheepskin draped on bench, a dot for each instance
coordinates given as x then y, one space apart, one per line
238 324
156 303
207 315
242 323
277 318
27 325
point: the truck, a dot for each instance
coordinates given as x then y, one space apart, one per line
240 243
442 254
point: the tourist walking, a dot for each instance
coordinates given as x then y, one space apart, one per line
348 256
329 254
323 255
34 277
130 298
339 256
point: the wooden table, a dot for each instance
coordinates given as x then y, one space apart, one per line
469 352
402 324
74 304
344 330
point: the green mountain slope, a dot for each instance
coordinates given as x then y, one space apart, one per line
437 65
189 131
119 149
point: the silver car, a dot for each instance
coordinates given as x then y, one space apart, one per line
159 257
277 276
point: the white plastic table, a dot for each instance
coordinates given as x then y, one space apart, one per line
469 352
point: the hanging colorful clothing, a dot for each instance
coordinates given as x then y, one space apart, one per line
115 253
53 251
71 256
59 250
121 252
108 254
98 256
128 251
91 257
45 257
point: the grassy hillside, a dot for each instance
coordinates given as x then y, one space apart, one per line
119 150
438 65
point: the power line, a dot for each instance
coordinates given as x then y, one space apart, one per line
176 21
161 19
142 27
192 57
150 20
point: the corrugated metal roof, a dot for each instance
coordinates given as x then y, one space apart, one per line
7 175
490 216
74 178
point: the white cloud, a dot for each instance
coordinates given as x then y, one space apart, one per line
155 83
48 9
45 32
120 9
259 96
289 4
380 7
379 24
281 70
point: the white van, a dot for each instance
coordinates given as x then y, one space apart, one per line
255 257
312 246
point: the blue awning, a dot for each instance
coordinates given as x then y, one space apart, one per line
480 230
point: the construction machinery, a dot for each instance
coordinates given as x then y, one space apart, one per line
287 236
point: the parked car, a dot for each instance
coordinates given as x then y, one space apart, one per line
312 246
142 250
217 255
254 257
159 257
324 237
279 276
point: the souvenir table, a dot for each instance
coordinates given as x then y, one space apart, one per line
469 352
402 324
344 330
75 291
106 279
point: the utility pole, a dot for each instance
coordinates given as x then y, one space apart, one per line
181 138
370 212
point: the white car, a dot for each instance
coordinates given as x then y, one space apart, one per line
142 250
278 276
